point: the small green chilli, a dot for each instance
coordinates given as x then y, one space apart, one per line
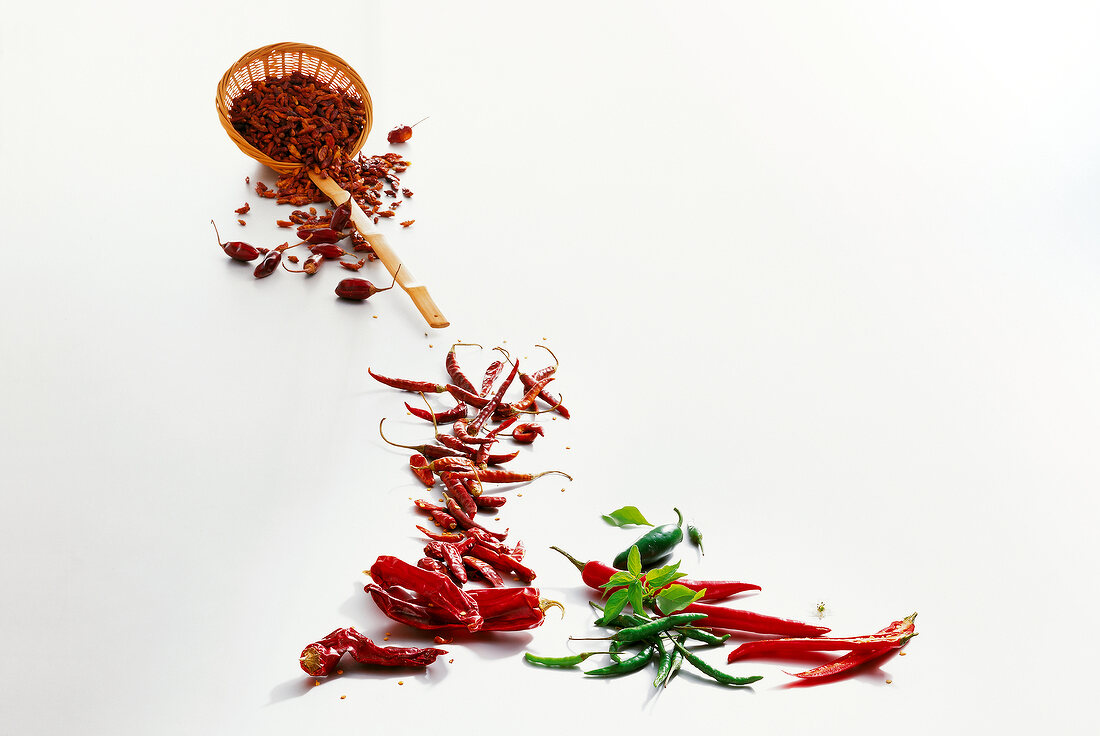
632 664
651 628
696 537
715 673
571 661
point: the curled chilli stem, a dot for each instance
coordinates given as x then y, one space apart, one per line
546 603
466 344
507 355
387 441
556 363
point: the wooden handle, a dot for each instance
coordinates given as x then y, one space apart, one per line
417 291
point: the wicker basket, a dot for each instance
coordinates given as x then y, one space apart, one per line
278 60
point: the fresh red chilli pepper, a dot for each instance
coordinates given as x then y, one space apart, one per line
485 412
441 536
490 502
720 617
459 378
466 521
419 466
320 236
341 215
270 262
445 598
906 628
511 609
444 417
332 252
502 562
485 570
235 249
491 374
454 488
406 385
595 574
895 636
320 658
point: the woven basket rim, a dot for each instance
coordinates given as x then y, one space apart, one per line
276 50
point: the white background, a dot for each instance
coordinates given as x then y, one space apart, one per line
822 275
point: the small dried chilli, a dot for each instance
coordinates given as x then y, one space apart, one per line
319 658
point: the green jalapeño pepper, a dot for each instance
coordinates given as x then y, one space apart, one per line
654 544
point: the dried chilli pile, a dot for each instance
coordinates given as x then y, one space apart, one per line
298 119
436 591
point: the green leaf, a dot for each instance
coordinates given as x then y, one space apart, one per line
662 576
634 561
636 591
619 579
626 516
615 605
678 597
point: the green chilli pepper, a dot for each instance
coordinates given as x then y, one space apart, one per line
633 664
696 537
654 544
572 661
651 628
714 672
664 665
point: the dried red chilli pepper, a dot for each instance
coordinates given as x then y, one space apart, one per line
442 536
491 374
311 265
485 412
455 489
466 521
454 464
490 502
332 252
721 617
491 475
439 516
501 459
461 394
511 609
360 289
595 574
444 597
451 554
896 635
320 236
319 658
906 627
457 376
428 451
481 458
463 434
419 465
502 562
459 411
526 433
407 385
341 215
485 570
235 249
270 262
432 565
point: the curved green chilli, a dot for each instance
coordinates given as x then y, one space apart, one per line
650 628
714 672
665 664
571 661
625 620
632 664
654 544
677 662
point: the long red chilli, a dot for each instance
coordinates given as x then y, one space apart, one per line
444 417
487 411
720 617
407 385
456 374
905 626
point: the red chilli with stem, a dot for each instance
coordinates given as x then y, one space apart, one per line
235 249
358 290
402 133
